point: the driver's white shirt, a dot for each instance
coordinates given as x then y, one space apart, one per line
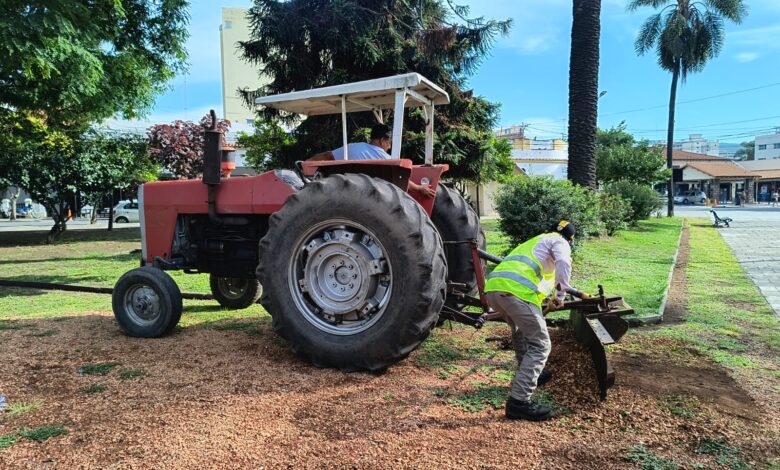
361 151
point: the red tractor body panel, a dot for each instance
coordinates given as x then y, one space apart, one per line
163 201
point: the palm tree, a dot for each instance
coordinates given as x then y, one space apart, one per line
583 91
685 34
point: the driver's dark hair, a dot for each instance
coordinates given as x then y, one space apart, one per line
381 131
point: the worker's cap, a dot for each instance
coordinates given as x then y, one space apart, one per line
566 229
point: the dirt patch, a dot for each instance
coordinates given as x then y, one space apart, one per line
678 291
707 382
245 401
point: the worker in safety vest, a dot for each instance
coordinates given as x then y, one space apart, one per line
516 289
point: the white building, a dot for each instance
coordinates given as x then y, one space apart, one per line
236 72
696 143
768 146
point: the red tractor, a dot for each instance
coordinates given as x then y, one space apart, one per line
353 269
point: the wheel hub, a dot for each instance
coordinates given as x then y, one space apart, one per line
142 303
342 279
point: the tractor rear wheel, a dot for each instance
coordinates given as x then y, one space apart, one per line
235 293
146 302
353 271
457 221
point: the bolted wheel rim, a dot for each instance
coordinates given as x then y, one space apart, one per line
232 288
142 304
340 277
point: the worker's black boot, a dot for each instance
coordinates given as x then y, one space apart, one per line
544 377
516 409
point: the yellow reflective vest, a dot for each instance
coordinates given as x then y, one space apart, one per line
522 274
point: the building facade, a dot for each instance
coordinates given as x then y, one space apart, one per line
696 143
768 146
236 72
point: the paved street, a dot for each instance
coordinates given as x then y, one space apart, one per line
754 237
29 225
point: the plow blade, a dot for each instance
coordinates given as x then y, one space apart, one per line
596 329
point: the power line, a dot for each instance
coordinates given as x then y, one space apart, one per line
695 100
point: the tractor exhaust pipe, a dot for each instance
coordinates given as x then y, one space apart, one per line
212 173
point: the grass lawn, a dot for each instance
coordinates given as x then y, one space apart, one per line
633 263
95 258
99 258
727 319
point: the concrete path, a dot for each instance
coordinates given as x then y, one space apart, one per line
44 225
754 237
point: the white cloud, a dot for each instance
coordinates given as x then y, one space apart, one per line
764 36
746 56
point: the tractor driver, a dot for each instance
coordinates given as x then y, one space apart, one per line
375 149
516 288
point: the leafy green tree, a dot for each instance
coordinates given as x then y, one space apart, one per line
54 166
79 61
264 146
302 44
620 158
685 35
583 91
747 151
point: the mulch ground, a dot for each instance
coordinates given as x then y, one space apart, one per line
228 399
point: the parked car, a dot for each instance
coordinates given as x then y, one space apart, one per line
691 197
126 211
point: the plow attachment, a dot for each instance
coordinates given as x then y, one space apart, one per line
596 321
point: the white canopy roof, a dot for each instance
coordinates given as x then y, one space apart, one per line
367 95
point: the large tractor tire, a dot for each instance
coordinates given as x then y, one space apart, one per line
234 293
457 221
353 271
146 302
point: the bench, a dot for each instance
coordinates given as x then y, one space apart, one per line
719 221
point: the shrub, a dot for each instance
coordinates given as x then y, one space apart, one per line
530 205
642 199
614 211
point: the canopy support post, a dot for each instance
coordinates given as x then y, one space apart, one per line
344 126
429 134
398 122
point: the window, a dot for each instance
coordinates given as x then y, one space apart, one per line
777 146
762 147
228 24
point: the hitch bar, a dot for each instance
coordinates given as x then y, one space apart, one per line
596 322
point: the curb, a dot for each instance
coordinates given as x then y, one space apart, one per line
659 317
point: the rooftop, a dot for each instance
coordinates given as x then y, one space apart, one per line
725 169
683 156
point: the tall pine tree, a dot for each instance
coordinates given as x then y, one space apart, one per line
303 44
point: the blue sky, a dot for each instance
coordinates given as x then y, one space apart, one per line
527 73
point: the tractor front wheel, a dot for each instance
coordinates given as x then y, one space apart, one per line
235 293
146 302
354 273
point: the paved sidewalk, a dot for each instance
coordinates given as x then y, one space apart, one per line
754 237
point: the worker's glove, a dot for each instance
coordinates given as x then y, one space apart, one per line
585 296
553 304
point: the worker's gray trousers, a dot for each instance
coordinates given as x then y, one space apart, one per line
529 338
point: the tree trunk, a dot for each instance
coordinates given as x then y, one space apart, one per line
583 91
111 213
670 140
14 198
59 214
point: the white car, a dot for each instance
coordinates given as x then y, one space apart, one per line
125 211
691 197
